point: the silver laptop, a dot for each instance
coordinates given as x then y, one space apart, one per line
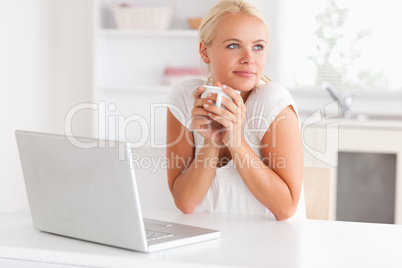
91 194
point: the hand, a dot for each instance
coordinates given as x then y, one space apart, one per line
231 119
201 122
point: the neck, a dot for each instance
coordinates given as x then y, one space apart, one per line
244 95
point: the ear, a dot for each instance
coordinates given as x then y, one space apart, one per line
203 50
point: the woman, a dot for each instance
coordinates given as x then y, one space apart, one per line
247 158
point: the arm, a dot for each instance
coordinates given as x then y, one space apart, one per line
188 183
190 176
276 180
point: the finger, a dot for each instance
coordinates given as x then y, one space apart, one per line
218 84
237 99
230 105
201 120
197 93
196 112
212 96
223 120
201 102
200 123
219 111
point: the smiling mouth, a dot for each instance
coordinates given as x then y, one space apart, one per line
246 74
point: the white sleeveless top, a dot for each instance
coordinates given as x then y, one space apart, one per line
228 193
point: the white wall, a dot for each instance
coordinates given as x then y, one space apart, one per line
45 56
25 86
73 57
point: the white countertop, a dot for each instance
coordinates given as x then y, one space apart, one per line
357 121
245 241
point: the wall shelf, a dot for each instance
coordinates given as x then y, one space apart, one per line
129 65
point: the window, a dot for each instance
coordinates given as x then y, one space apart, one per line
353 45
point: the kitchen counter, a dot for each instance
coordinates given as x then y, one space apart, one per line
251 241
390 122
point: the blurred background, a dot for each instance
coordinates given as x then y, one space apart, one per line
104 68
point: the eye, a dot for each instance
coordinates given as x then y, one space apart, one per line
233 46
259 47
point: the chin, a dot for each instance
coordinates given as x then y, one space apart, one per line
244 85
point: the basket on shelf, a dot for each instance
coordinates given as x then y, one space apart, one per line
142 17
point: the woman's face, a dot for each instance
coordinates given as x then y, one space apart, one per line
238 52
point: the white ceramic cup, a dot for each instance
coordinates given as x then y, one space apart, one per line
219 94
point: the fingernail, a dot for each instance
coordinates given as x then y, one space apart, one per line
210 101
206 105
224 86
209 95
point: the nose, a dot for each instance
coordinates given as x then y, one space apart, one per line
247 58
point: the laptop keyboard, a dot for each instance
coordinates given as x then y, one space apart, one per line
154 235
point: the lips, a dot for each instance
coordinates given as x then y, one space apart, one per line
245 73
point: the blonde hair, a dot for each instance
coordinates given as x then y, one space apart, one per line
207 29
